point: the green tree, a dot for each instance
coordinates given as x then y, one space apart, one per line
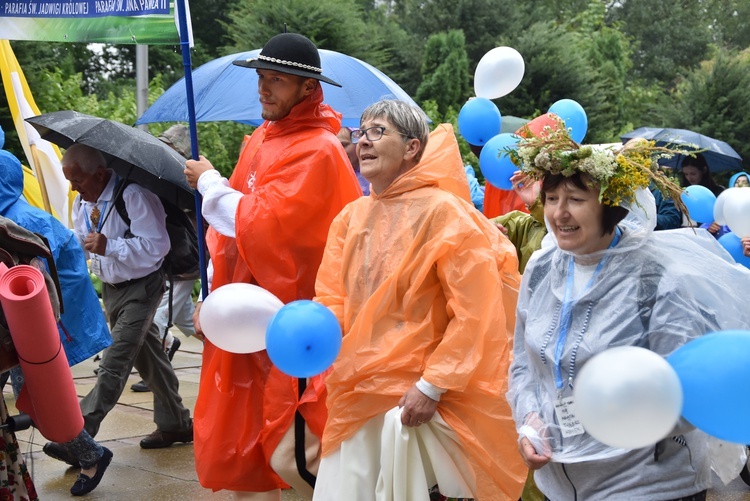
557 67
445 71
728 22
715 100
480 20
331 24
218 141
669 36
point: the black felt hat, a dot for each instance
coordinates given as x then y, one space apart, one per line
289 53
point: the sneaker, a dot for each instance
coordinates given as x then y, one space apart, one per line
139 387
160 439
85 484
61 453
173 349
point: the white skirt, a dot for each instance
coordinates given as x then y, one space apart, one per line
386 461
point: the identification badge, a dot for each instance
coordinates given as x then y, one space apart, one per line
570 426
96 266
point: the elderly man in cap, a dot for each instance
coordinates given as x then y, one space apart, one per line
257 430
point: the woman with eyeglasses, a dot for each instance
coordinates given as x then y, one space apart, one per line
424 287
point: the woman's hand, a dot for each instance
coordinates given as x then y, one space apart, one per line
745 246
417 408
499 226
714 228
534 428
526 188
532 459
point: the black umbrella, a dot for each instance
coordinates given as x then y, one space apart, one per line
718 154
132 153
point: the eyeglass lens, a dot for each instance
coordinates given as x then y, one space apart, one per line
372 134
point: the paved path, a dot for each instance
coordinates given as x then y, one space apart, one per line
161 474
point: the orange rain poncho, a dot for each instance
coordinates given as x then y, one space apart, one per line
499 202
296 177
424 285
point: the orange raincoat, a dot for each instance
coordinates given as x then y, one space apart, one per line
296 177
499 202
424 285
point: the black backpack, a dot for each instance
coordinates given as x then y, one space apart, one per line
181 263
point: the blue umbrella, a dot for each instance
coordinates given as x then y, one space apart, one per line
718 154
224 91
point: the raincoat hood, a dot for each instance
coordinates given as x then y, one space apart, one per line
310 113
11 181
734 178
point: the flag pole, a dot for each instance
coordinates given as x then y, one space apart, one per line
185 47
40 179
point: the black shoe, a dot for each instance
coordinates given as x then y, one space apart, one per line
84 484
173 349
139 387
61 453
160 439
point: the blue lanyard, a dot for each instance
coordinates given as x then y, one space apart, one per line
101 219
567 311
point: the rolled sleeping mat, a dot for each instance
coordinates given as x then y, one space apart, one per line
48 395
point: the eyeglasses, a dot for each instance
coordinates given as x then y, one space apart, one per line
373 134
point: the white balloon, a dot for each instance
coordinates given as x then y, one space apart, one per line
628 397
498 73
234 317
719 206
737 211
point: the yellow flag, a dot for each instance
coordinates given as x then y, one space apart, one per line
42 156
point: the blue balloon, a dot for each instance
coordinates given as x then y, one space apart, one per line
303 338
574 117
714 370
495 163
732 243
479 120
700 202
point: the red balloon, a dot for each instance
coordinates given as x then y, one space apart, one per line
536 126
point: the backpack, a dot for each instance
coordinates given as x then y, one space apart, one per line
181 262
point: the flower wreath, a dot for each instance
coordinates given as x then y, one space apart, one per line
618 172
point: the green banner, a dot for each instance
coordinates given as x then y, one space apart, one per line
147 22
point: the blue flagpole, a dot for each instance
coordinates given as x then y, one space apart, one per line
187 65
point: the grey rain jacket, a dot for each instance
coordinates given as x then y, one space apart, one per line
656 291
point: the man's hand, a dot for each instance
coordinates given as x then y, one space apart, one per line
745 246
714 228
95 243
526 188
197 322
417 408
194 169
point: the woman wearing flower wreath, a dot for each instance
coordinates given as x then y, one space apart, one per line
603 278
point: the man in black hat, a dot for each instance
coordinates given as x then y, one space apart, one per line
256 429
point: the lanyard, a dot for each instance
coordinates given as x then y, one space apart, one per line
101 219
567 313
